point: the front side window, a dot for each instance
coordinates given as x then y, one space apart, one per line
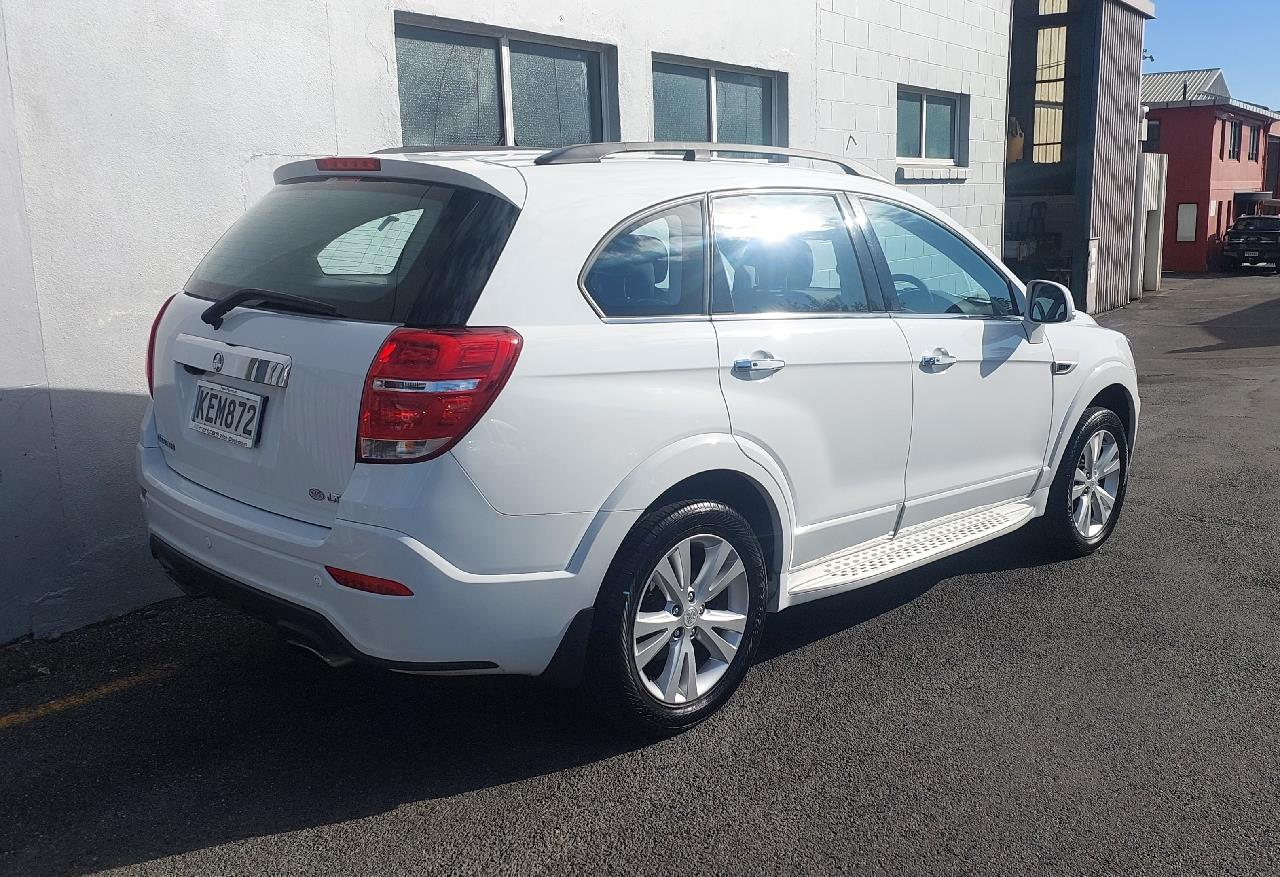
784 253
708 104
927 125
651 268
452 90
935 271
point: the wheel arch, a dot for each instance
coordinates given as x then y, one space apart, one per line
744 495
1113 385
709 466
714 467
1117 398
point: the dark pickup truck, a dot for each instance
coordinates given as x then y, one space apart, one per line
1253 240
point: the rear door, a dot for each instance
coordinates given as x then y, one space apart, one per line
263 408
816 376
983 392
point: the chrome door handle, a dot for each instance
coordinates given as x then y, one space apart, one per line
939 359
758 365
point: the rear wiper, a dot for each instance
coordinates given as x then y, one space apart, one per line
282 300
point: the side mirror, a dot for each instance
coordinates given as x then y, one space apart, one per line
1049 302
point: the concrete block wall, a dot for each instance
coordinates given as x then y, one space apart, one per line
867 48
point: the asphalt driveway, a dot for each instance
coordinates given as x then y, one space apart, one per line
990 712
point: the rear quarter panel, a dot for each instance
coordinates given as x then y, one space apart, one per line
586 406
589 401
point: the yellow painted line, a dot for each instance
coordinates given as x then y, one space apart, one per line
71 701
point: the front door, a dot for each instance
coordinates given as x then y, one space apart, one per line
982 390
816 376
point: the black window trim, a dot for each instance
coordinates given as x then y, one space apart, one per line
1016 294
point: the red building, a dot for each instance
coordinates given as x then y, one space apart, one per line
1218 154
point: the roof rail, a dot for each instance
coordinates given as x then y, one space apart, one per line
593 152
402 150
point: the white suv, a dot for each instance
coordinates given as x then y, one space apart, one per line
595 412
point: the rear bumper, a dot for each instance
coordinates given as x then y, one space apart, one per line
1265 252
302 626
274 567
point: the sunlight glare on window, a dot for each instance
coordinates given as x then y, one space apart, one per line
771 222
371 248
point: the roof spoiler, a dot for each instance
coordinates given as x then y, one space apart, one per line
494 179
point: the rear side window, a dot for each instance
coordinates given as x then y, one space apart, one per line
651 268
379 250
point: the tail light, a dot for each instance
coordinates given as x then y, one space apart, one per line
428 387
370 584
151 346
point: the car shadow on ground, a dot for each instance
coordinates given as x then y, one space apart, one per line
804 624
1257 326
244 736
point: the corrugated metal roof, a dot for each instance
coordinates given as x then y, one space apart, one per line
1204 88
1159 88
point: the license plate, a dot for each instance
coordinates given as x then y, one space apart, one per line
227 413
1251 253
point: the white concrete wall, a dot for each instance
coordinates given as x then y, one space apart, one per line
30 512
132 134
867 48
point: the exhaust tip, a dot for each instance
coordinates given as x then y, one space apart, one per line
334 661
304 639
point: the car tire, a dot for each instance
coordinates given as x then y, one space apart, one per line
1232 266
644 680
1072 525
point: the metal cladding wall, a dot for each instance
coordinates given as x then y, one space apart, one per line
1115 153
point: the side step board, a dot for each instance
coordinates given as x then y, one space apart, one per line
915 546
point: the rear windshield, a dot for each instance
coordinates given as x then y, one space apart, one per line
380 250
1258 223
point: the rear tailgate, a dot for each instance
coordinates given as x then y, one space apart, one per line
305 429
1256 236
264 408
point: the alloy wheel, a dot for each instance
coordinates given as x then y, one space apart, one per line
1095 484
690 619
